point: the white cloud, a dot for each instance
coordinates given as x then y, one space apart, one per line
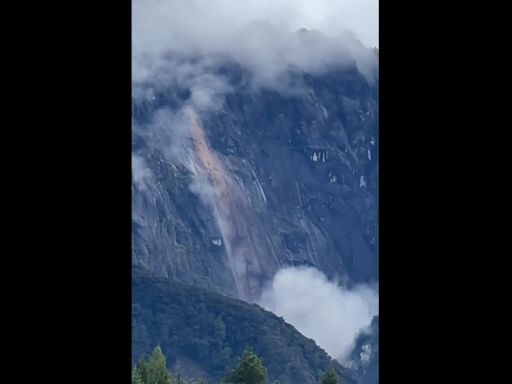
141 174
330 314
259 34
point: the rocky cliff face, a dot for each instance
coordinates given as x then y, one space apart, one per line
223 198
365 357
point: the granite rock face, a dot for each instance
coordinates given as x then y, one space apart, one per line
223 198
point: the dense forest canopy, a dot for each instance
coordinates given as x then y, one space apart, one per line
203 333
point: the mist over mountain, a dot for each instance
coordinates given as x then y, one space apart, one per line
255 154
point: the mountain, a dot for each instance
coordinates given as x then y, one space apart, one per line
365 357
202 333
222 199
234 180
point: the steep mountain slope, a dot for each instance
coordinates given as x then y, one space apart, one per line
223 198
365 357
203 333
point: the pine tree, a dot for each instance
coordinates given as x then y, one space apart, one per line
330 377
152 371
250 370
140 373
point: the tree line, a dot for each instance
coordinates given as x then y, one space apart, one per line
249 370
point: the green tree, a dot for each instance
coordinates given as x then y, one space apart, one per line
152 370
250 370
140 373
330 377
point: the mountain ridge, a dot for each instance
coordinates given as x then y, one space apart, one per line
203 332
